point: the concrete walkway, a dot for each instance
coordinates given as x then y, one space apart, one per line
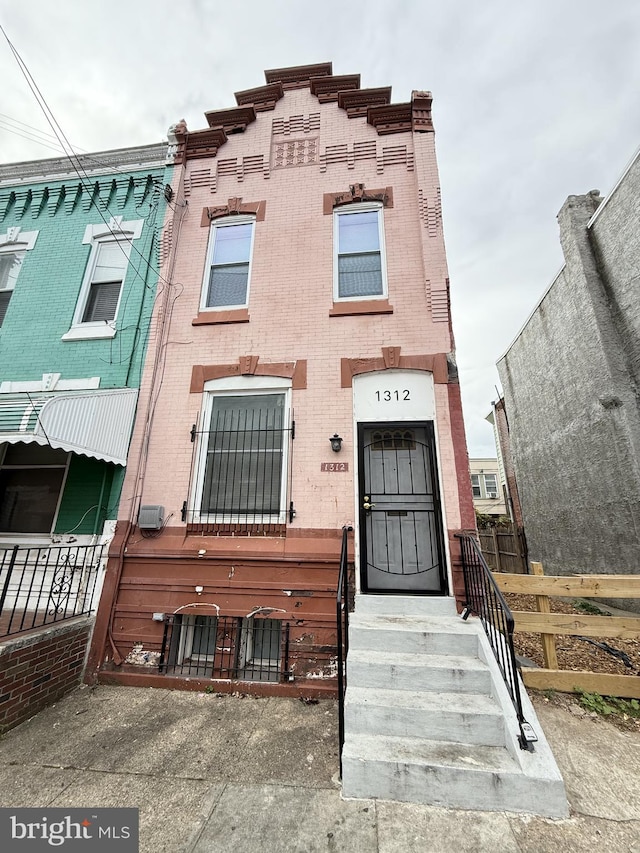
220 773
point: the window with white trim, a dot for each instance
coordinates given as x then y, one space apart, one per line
359 257
101 292
491 485
228 267
475 485
242 457
13 248
10 263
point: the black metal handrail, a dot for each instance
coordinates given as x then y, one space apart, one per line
39 586
342 622
487 602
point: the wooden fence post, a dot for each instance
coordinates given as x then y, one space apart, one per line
548 640
496 548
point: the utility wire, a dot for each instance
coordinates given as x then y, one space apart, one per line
71 155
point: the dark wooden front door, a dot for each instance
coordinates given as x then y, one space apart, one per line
401 541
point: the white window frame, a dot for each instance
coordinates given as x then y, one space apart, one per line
477 486
363 207
116 231
488 496
226 222
249 386
16 243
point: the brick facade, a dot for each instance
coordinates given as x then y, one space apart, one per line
39 668
289 155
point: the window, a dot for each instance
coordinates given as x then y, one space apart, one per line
229 647
242 458
103 284
13 247
10 263
491 485
359 268
475 485
31 482
227 272
107 275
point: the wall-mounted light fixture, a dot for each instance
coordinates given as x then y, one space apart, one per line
336 443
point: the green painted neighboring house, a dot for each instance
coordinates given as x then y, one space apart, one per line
79 269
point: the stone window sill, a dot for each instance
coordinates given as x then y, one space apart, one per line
364 306
214 318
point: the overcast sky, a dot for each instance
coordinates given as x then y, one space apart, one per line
533 101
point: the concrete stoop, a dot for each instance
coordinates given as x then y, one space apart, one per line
428 718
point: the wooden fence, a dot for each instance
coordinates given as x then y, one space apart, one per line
549 624
504 548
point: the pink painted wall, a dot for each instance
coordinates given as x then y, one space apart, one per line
290 299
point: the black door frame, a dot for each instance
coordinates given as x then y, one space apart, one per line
428 426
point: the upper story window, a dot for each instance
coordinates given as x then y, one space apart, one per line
10 263
484 486
100 295
359 262
105 282
228 268
13 247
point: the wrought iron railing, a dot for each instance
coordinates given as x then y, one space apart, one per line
241 466
233 648
484 599
342 622
39 586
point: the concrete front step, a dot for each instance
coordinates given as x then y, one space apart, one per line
405 605
396 671
456 717
445 774
440 635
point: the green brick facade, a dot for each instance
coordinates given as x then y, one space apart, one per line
41 307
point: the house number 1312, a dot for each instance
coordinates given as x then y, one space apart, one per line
393 395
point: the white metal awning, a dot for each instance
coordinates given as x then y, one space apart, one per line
92 423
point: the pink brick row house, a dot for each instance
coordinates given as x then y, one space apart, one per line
300 377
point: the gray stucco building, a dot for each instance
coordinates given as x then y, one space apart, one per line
571 380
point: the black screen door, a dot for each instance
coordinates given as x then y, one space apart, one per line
401 542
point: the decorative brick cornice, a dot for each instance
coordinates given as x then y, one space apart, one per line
391 359
327 89
234 120
262 98
355 195
199 144
421 111
249 365
233 207
357 103
298 76
392 118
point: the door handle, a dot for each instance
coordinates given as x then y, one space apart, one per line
367 505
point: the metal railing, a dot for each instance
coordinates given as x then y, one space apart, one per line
40 586
484 599
232 648
342 622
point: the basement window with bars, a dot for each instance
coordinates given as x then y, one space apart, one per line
224 647
242 455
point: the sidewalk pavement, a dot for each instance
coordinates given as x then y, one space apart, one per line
213 773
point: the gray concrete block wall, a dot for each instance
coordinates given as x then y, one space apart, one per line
571 400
